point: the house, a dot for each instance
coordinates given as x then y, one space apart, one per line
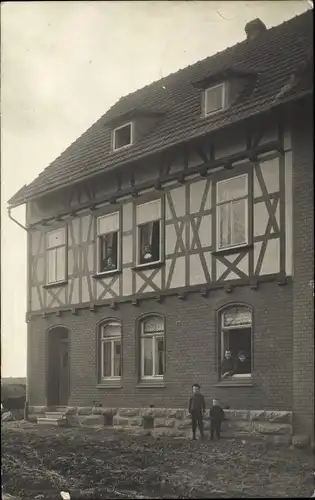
179 226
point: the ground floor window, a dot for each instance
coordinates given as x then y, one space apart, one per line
110 339
236 340
152 348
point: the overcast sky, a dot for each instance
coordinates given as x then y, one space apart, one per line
63 64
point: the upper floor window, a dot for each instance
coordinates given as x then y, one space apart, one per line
215 98
108 243
236 334
152 348
232 212
123 136
56 255
149 231
110 340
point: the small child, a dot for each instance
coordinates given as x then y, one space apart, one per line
216 418
196 408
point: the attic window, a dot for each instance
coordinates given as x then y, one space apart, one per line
215 99
122 136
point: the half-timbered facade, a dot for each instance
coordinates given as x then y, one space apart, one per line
145 270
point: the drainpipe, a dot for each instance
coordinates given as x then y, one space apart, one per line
26 388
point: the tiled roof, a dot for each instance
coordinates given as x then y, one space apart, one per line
274 55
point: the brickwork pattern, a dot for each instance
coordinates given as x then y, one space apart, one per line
191 347
303 258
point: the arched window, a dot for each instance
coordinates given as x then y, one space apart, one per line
236 341
110 359
152 348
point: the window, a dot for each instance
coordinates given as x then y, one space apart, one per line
56 256
215 99
236 333
123 136
152 348
232 212
110 350
108 243
149 233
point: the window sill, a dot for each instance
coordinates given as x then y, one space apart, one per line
228 251
56 284
237 382
149 265
151 384
110 384
103 275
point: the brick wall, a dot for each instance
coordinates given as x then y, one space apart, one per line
303 258
191 345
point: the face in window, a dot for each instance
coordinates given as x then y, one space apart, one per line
228 354
241 356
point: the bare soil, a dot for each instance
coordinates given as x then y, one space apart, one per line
40 462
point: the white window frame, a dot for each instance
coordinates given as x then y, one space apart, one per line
138 225
153 336
223 100
51 249
219 204
236 327
131 124
112 340
98 242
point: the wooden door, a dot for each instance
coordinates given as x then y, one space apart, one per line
63 372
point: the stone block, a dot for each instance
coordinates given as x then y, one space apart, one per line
164 422
283 440
99 410
284 417
257 415
272 428
154 412
120 421
85 410
135 422
166 433
37 409
129 412
91 420
238 426
186 424
32 418
236 414
71 410
301 441
176 413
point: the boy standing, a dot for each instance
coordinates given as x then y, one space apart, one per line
216 418
196 408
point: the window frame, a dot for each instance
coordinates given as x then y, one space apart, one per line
223 100
131 124
112 339
230 202
138 246
153 336
50 249
98 244
223 329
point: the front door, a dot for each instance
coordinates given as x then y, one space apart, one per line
63 389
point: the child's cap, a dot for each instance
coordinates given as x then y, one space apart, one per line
196 385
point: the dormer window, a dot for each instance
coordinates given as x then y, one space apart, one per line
215 98
123 136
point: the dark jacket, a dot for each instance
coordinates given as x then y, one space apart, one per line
243 366
197 403
216 414
228 365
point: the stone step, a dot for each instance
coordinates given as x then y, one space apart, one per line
60 422
55 414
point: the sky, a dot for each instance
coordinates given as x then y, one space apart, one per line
63 64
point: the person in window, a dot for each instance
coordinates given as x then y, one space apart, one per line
197 408
242 364
227 365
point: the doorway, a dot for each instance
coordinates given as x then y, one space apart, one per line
58 372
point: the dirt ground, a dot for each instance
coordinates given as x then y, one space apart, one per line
40 462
